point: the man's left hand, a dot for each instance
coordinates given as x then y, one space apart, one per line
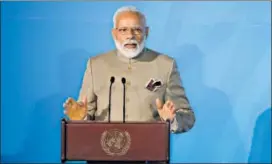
167 110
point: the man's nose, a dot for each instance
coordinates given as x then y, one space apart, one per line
130 34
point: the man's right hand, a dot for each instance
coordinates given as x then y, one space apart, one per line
75 110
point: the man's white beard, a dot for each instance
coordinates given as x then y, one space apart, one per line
130 52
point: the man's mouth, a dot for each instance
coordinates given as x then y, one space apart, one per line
131 45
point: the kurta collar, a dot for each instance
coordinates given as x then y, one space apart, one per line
140 57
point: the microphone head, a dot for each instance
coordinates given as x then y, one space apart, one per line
112 79
123 80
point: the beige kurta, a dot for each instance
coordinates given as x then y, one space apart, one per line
140 102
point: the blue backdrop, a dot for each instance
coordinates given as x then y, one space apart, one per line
223 50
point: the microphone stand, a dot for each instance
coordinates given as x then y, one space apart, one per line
111 82
124 99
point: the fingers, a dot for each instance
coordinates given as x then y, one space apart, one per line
85 104
169 105
172 108
172 105
159 104
167 111
85 101
75 110
67 102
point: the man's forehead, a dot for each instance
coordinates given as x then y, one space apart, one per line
130 14
129 17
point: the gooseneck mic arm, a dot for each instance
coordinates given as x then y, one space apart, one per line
111 82
124 99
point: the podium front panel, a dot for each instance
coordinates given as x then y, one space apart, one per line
100 141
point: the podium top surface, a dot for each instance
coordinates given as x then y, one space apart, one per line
111 122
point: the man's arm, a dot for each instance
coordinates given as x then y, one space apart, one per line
87 90
185 117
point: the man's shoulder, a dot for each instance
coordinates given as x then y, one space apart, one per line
102 56
160 57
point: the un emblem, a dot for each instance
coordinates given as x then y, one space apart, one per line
115 142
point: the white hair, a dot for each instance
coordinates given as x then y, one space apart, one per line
128 9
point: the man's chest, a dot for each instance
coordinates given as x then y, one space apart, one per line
144 83
141 76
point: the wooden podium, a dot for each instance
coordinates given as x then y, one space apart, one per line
117 142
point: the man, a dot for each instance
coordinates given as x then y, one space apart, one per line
153 86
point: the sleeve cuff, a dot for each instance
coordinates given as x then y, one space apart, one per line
175 125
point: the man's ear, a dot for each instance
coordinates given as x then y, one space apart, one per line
113 33
146 31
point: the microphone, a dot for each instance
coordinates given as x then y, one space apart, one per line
124 99
111 82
